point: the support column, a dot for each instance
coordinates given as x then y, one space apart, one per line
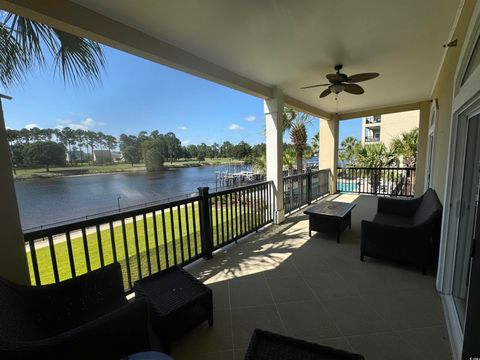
13 259
273 109
328 150
422 149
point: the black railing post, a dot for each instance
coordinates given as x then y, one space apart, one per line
205 222
309 186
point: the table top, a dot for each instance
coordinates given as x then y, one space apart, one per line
330 208
170 290
148 355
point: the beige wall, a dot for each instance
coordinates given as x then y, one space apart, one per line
393 125
443 92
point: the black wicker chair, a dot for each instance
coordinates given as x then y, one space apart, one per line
265 345
404 230
87 317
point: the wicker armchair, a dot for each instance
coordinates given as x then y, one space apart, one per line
265 345
404 230
82 318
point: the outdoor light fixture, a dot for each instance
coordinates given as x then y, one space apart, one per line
337 88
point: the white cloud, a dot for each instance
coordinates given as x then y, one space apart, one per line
89 122
85 124
235 127
31 126
186 142
250 118
182 128
8 127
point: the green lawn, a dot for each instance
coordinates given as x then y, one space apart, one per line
138 256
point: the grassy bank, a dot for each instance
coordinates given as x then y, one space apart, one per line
83 169
173 246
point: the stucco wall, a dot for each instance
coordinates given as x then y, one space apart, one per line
443 92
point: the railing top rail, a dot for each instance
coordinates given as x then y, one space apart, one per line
305 174
59 228
376 168
238 188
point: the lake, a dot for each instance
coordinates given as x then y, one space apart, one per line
46 201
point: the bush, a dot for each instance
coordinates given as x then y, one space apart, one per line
201 158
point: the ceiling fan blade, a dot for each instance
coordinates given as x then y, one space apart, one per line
362 77
325 93
354 89
335 78
312 86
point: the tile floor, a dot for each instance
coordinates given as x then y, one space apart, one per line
315 289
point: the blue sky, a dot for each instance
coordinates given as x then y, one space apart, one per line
136 95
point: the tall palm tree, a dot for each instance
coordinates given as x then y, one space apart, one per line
348 146
296 123
26 44
405 146
315 141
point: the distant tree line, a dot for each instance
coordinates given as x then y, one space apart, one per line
36 147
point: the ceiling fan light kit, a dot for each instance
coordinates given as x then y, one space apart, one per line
341 82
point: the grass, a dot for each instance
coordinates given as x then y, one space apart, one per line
85 169
172 249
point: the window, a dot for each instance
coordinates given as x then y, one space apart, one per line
473 62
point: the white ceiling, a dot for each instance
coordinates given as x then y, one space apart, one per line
290 44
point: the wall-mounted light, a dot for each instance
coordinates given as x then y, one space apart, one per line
450 44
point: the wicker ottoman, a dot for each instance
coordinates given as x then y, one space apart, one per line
178 302
265 345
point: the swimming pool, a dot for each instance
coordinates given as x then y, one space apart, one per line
346 187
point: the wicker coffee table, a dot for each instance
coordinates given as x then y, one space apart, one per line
178 302
330 217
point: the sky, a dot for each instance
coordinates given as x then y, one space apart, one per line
135 95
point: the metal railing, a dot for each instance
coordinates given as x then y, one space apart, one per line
376 181
149 239
302 189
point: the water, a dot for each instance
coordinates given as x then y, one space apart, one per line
46 201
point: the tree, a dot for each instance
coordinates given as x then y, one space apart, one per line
405 147
315 141
155 153
297 124
348 148
44 153
24 42
110 143
131 154
374 156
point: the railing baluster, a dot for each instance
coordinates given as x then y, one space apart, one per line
217 238
180 233
99 243
221 218
137 247
172 232
236 214
194 229
112 240
165 240
33 254
53 256
187 228
71 258
227 215
85 248
155 235
127 257
147 245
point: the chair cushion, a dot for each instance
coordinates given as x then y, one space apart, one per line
429 207
394 220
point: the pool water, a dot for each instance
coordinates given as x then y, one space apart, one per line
346 187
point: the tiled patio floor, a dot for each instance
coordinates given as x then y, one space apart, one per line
315 289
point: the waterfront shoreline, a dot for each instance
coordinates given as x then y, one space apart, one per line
90 170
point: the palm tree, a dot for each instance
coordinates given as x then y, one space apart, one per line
297 122
347 151
405 146
24 44
315 141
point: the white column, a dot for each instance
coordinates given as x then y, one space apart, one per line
273 109
13 259
328 143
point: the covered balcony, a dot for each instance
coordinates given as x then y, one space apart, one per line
314 289
263 267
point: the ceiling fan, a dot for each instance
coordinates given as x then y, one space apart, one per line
341 82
